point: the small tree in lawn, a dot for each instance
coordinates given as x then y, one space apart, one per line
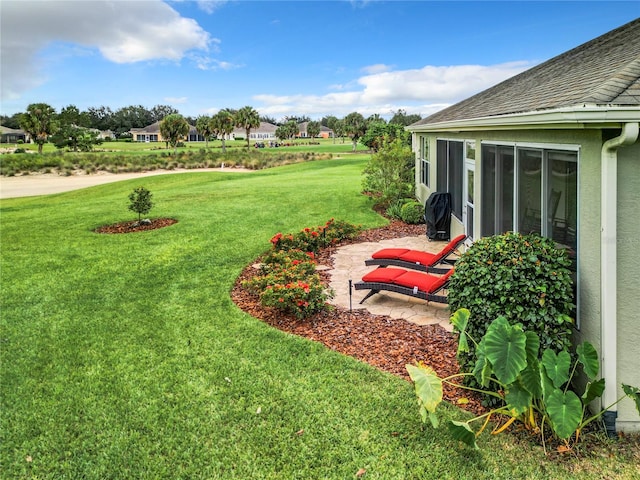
141 202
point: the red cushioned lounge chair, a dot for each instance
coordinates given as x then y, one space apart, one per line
416 259
415 284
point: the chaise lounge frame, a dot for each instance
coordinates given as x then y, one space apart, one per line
420 285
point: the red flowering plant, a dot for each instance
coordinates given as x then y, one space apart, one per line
335 231
312 239
301 298
288 279
282 267
277 260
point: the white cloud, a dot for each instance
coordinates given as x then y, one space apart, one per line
176 100
123 32
449 83
210 6
208 63
378 68
422 91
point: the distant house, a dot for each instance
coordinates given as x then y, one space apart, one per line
555 150
151 133
12 135
325 132
266 131
104 134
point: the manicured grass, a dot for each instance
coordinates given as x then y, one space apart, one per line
122 356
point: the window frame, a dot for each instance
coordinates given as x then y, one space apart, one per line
545 190
425 164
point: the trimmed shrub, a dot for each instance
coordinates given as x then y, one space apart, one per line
288 280
313 239
412 213
395 208
524 278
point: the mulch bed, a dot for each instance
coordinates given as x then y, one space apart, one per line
386 343
135 226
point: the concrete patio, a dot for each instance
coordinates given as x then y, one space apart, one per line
349 265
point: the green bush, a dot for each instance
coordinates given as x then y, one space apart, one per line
389 175
524 278
412 213
394 210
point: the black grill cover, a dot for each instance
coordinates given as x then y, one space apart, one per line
437 215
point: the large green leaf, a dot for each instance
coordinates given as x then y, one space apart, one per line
462 431
482 369
518 398
633 393
531 379
557 366
593 391
588 356
459 320
547 384
565 412
505 348
428 389
533 346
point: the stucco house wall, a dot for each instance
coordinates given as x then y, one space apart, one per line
587 100
628 279
589 299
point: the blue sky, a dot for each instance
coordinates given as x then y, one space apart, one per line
311 58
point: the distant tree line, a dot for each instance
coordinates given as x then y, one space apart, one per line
77 130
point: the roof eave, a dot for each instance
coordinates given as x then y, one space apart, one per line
579 117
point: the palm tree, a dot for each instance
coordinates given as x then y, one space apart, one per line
247 118
313 129
39 122
174 128
355 126
203 126
222 124
292 129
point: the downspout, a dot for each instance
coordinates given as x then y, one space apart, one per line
609 268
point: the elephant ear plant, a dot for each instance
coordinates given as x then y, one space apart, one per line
533 389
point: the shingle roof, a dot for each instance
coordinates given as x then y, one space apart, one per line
603 71
14 131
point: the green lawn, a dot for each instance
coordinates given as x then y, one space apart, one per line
122 356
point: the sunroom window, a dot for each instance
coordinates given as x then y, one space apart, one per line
530 190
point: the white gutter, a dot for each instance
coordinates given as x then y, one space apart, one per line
608 259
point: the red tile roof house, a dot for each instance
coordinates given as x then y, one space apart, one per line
560 140
325 132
